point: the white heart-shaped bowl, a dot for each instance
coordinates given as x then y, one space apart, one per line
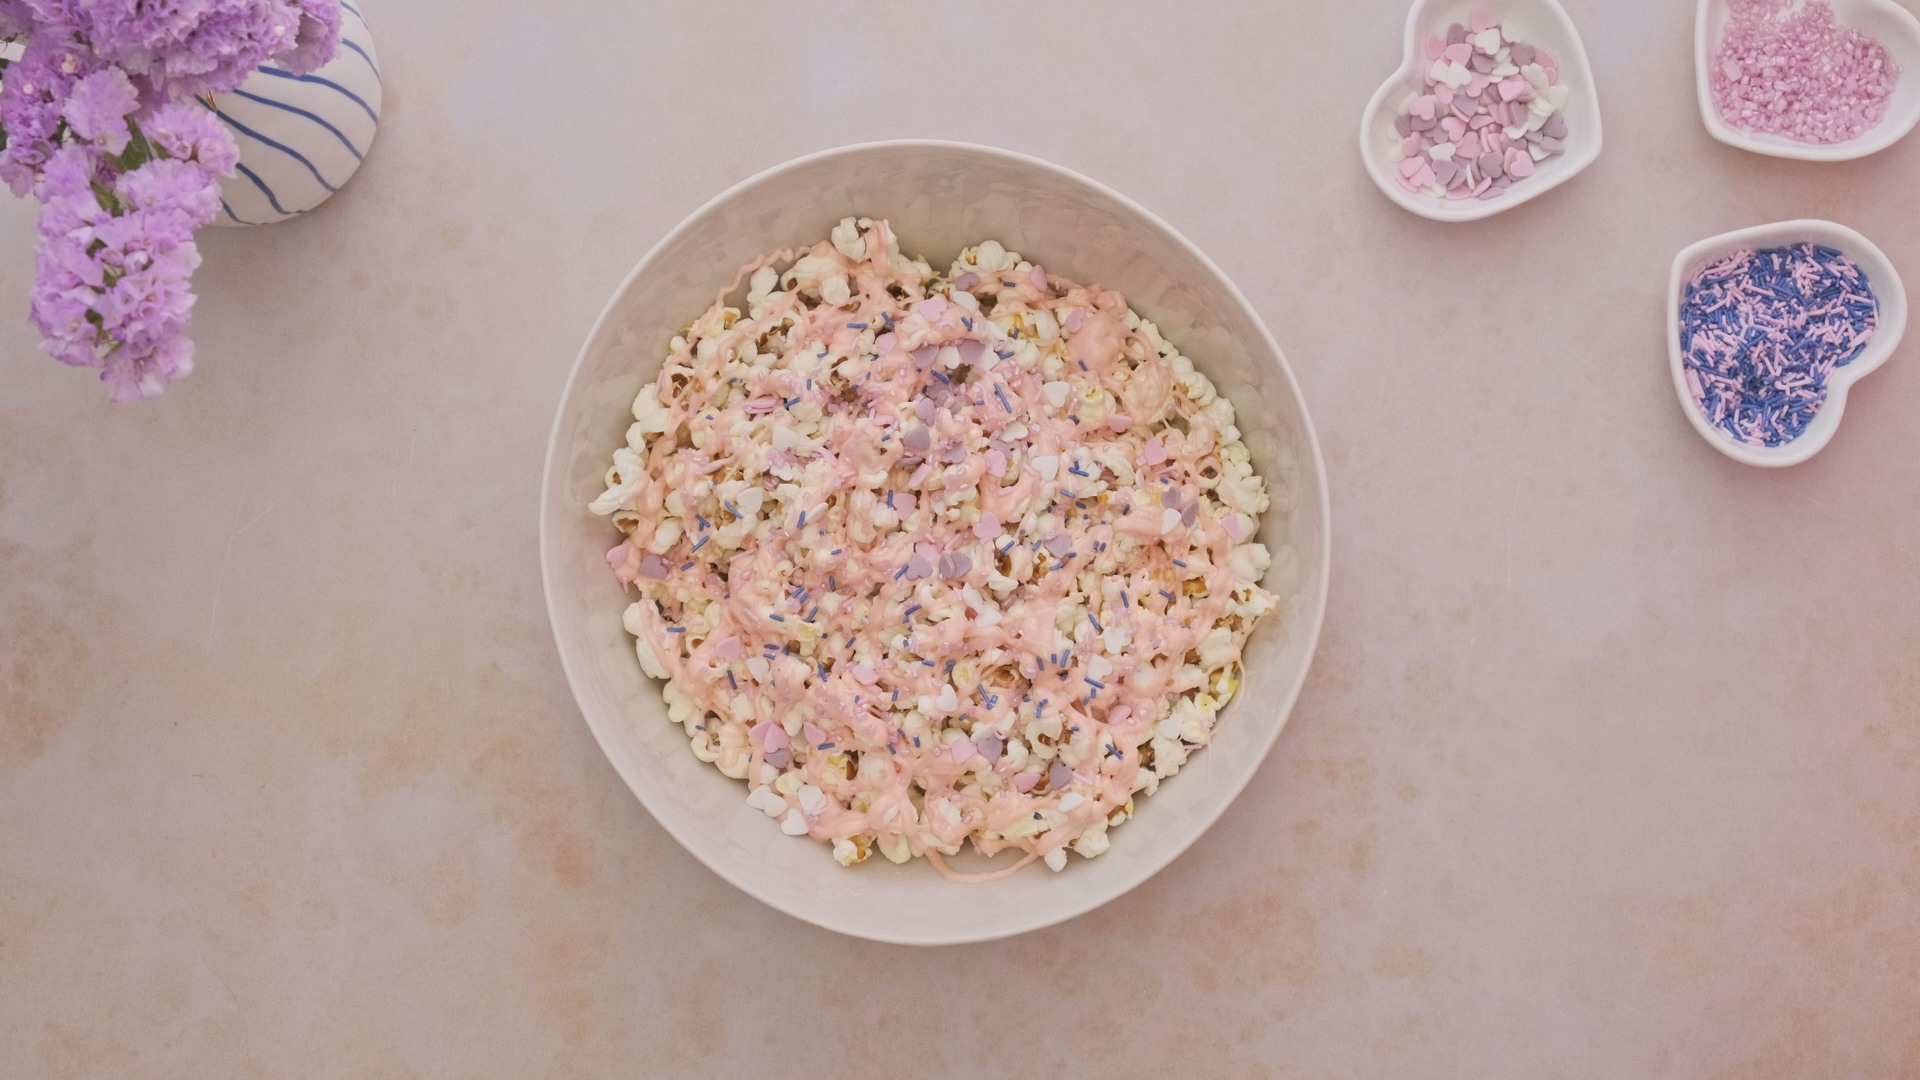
940 197
1896 28
1887 288
1540 22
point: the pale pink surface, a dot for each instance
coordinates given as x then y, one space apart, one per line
1608 765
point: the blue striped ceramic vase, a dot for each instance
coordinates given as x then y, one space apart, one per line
301 136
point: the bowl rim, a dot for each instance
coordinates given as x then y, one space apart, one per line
1472 209
1308 447
1887 286
1886 133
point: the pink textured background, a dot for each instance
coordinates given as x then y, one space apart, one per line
1609 766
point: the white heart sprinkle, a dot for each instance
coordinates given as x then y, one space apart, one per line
1169 518
812 799
1070 801
1056 393
1048 467
759 668
794 824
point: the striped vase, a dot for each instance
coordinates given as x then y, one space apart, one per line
301 136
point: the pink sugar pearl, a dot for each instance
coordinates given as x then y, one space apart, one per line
1798 75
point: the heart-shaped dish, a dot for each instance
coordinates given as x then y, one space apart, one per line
1887 288
1542 23
1894 26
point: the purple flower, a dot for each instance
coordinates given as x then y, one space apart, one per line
97 109
192 47
115 260
319 36
15 18
179 190
60 15
31 98
191 133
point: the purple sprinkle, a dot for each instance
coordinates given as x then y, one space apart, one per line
1761 333
1059 776
972 352
653 566
923 356
780 758
1058 544
918 440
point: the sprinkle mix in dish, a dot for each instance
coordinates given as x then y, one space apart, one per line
935 558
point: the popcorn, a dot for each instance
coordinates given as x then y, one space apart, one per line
929 577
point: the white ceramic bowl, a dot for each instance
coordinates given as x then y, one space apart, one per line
1887 287
1896 28
939 197
1539 22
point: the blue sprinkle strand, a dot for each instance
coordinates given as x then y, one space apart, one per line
698 546
1761 332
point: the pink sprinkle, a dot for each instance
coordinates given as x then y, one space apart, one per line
815 734
1024 782
1154 452
1412 165
996 464
653 566
932 308
966 281
920 474
1512 87
1482 21
758 732
617 555
863 673
775 738
1119 422
1074 320
929 552
1459 54
1119 715
1234 529
923 356
763 403
903 503
962 750
883 345
988 526
1800 76
1038 277
1436 46
729 650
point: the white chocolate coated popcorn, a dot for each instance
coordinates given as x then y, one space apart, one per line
937 559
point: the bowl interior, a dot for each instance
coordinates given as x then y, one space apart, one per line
1892 25
1888 289
1540 23
940 198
